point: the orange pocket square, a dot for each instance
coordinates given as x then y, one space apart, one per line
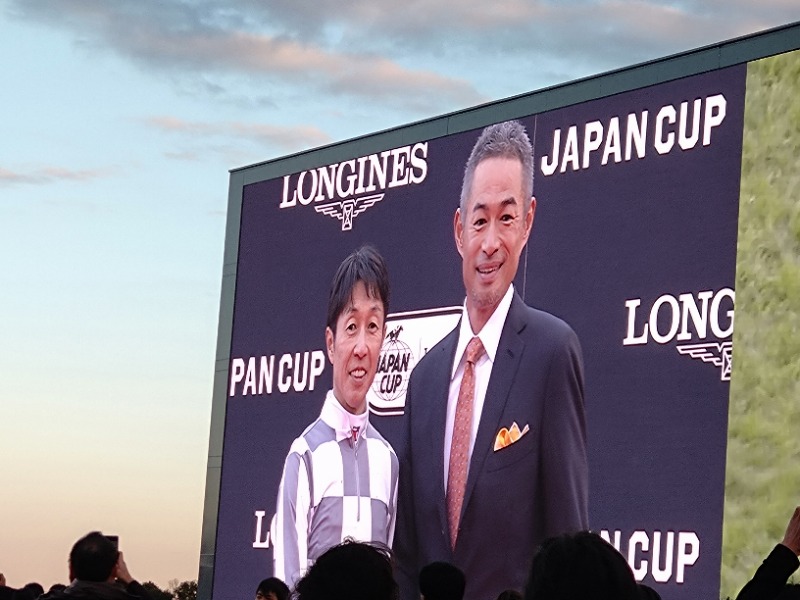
506 437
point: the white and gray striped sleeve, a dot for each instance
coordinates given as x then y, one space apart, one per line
290 525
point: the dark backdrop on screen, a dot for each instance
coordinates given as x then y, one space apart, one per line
663 224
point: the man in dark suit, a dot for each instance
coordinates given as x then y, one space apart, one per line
493 457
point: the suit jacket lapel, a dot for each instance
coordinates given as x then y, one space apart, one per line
506 363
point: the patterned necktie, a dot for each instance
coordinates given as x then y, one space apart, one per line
462 432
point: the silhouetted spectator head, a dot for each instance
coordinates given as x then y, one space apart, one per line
791 591
509 595
272 588
441 581
350 571
93 558
57 587
34 587
30 591
581 565
24 594
648 593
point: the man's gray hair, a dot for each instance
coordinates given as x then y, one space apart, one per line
501 140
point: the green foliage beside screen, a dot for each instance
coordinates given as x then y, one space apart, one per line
763 470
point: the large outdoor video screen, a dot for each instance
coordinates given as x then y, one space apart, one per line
641 198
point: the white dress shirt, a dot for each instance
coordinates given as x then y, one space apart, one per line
490 338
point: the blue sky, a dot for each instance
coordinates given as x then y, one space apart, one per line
120 121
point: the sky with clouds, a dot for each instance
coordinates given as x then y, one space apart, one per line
120 123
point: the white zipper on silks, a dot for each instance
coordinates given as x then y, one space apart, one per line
354 439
